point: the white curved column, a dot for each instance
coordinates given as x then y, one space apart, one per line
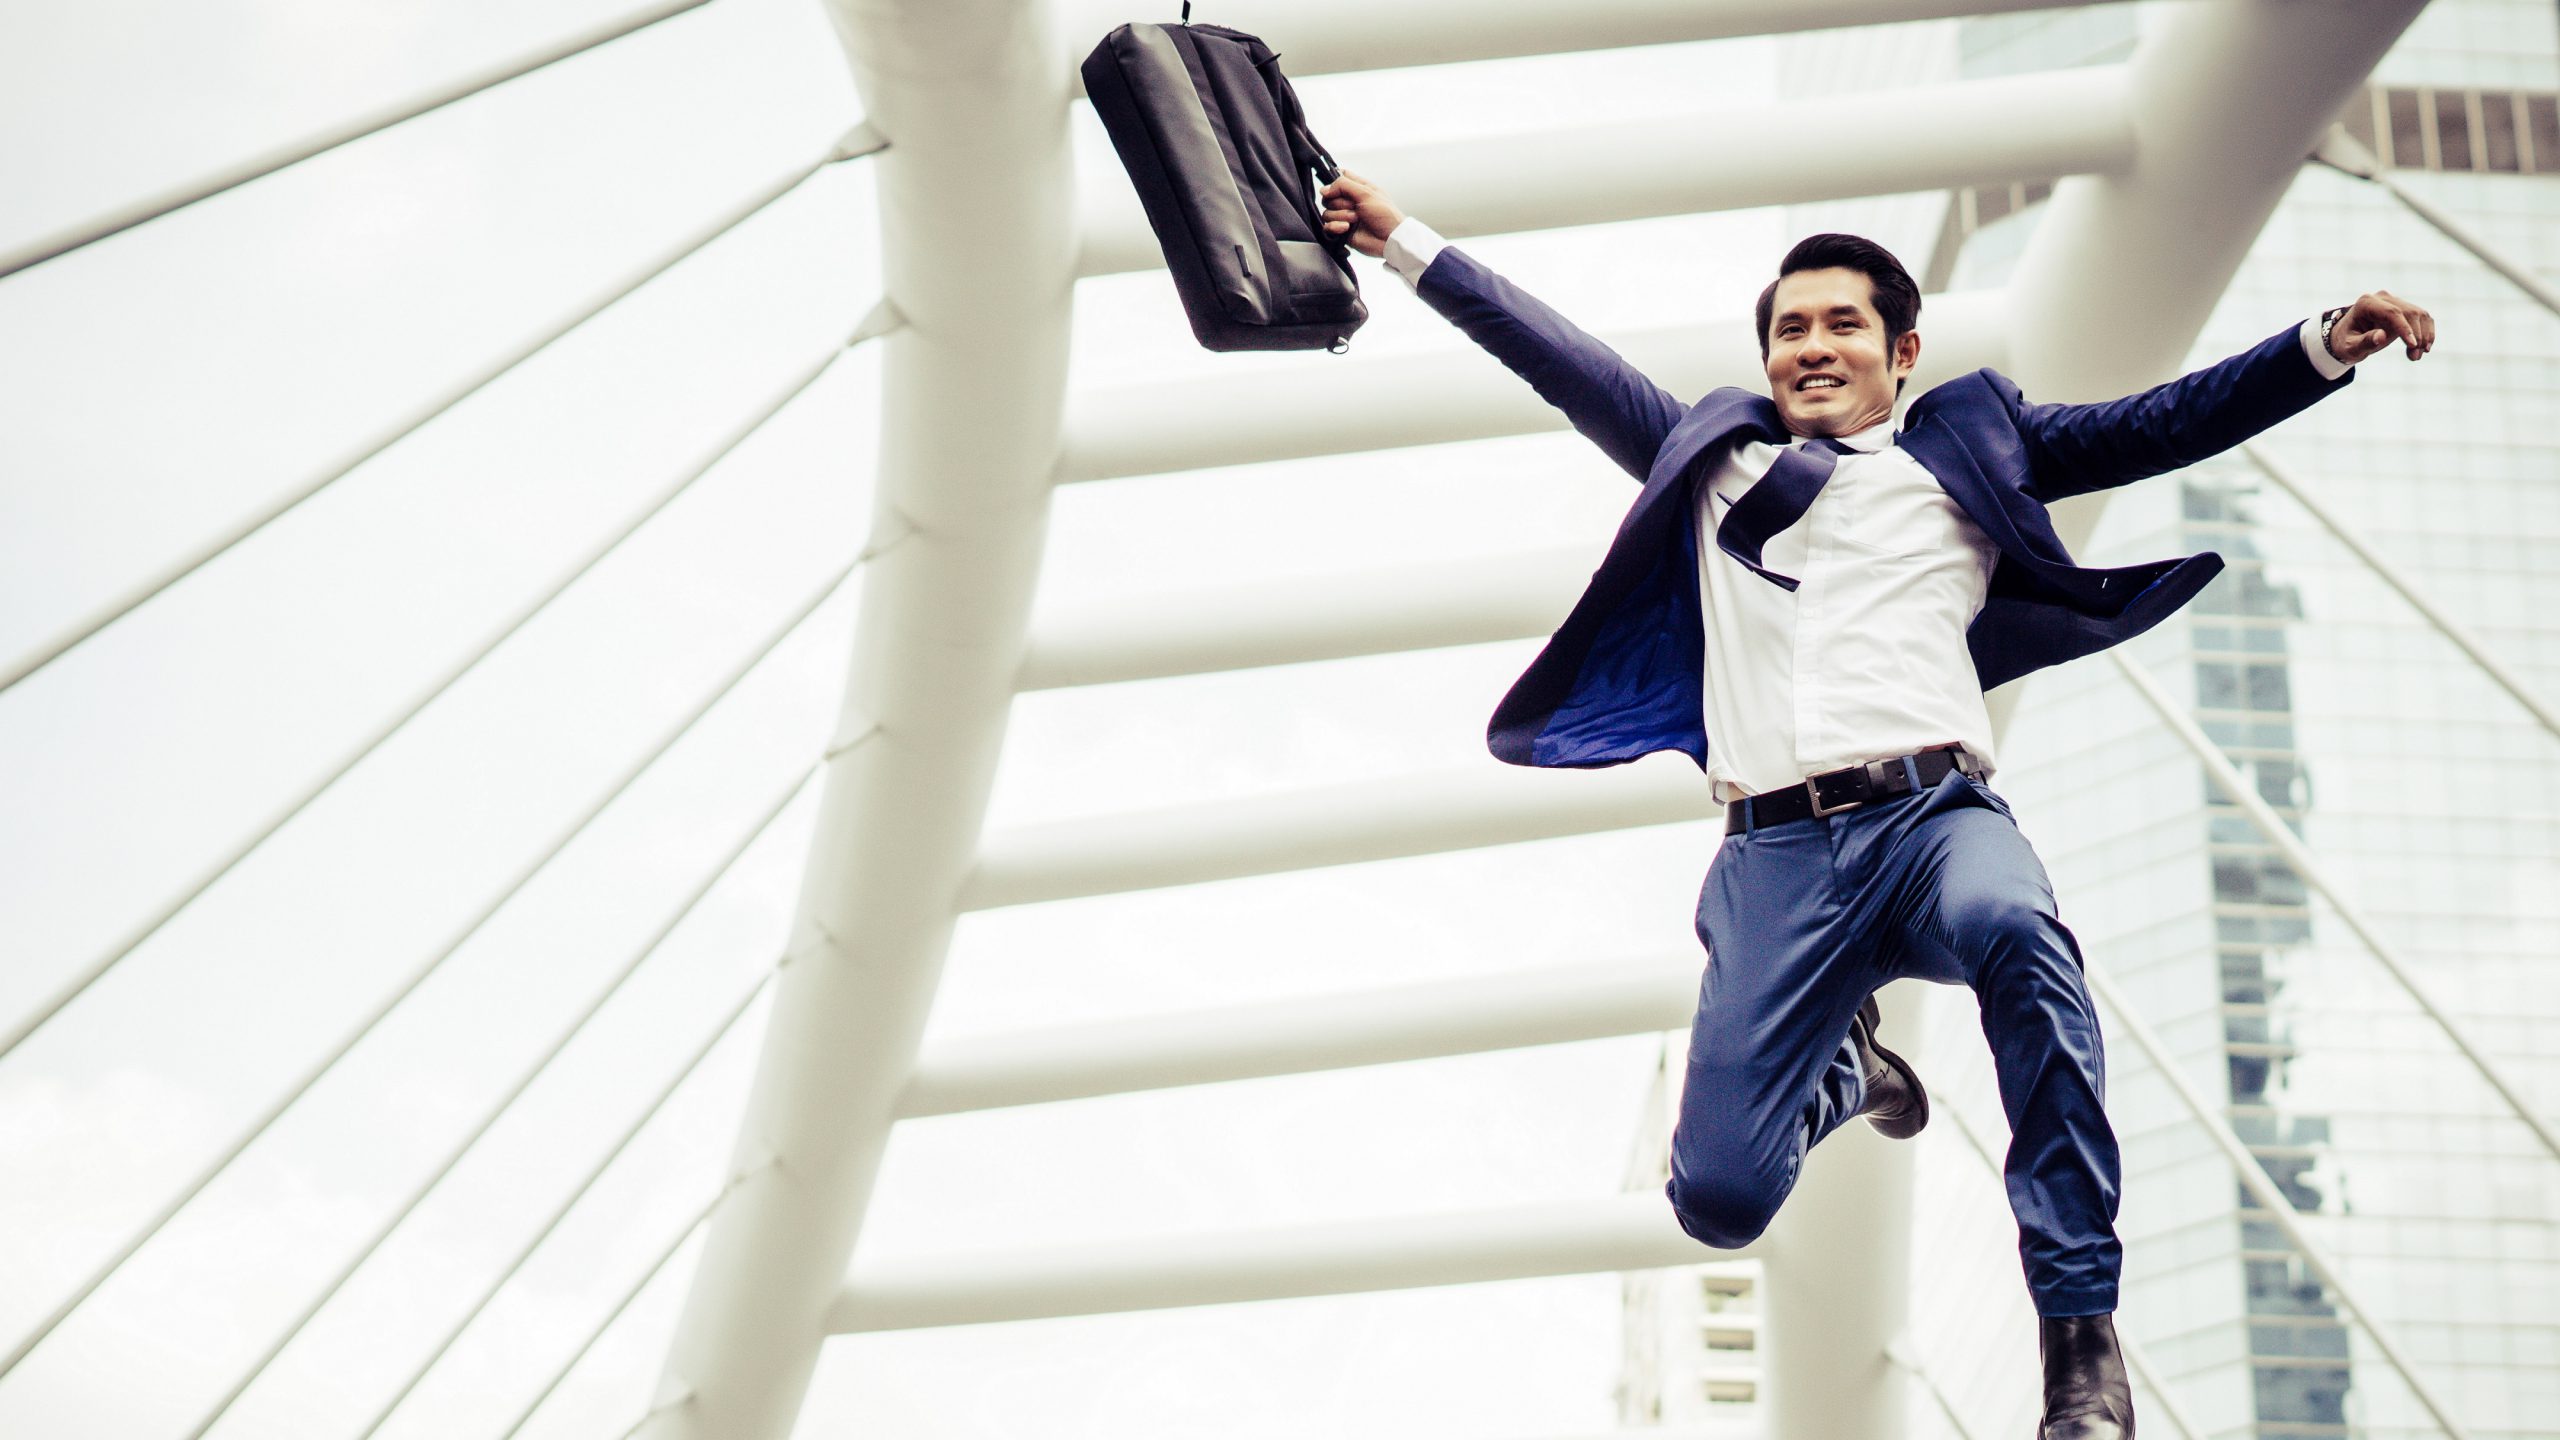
1840 1295
2227 99
978 257
2123 270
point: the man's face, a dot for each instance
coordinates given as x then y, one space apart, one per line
1829 370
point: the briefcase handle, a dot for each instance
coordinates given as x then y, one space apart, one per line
1294 115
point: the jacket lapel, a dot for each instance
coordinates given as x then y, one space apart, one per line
1959 433
1712 422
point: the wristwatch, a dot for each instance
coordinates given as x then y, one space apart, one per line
2328 322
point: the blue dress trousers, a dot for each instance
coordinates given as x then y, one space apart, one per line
1803 921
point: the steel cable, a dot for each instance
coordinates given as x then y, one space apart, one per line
524 1081
418 976
258 167
862 140
89 974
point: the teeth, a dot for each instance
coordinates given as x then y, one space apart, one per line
1820 382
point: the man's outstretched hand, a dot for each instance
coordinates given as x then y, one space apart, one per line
1362 211
2374 321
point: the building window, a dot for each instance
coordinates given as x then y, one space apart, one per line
2498 133
2541 133
2492 130
2453 129
2407 133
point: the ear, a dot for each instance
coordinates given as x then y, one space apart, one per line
1906 353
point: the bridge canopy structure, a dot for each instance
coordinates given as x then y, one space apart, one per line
731 794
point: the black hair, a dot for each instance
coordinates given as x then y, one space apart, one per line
1897 299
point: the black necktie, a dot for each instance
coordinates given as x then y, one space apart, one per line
1778 501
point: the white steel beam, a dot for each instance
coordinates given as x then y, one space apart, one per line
1380 612
1844 1297
978 255
2270 826
2123 269
2270 1196
1620 1232
1335 36
1424 814
2389 574
1293 1037
2228 98
1459 394
1972 132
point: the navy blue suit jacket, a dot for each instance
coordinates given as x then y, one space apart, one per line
1622 677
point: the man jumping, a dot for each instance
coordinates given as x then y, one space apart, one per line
1828 597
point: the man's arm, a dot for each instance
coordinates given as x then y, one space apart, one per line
1608 400
2073 449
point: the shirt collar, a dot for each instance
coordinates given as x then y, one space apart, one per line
1868 441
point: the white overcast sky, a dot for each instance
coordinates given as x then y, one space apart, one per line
155 387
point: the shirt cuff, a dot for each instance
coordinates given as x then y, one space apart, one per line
1411 247
2329 366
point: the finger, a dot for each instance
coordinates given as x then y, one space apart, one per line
2411 339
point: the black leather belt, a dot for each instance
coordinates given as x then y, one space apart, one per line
1837 790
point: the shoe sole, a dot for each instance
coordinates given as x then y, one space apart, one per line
1909 1125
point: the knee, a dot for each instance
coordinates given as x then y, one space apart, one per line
1721 1211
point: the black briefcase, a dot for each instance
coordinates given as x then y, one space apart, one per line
1220 152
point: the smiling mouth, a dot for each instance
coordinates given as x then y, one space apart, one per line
1821 382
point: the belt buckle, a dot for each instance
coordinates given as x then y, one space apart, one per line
1813 790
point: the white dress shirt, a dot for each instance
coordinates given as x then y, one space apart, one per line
1866 658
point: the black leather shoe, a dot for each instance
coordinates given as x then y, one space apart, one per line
1897 1105
2086 1395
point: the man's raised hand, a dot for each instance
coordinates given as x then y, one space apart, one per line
2374 321
1360 210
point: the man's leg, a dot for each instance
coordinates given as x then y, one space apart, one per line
1973 907
1770 1071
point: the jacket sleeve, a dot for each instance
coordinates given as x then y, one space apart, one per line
1608 400
2073 449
